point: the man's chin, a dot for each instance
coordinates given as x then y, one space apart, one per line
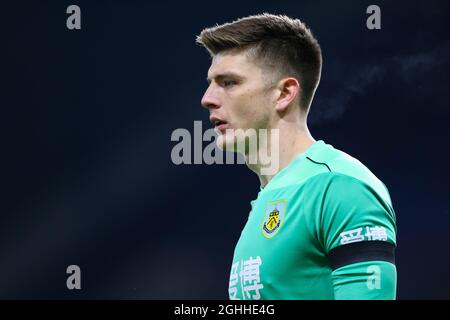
230 143
225 143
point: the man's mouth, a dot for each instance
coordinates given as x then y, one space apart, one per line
219 124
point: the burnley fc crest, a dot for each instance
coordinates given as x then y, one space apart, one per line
273 218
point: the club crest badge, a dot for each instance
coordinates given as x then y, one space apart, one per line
273 218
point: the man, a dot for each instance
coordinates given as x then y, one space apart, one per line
322 226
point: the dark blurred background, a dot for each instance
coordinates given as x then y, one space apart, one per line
86 121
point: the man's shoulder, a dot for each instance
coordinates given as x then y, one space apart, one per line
343 170
322 165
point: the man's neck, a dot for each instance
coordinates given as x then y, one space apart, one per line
293 140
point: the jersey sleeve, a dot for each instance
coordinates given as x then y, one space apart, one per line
368 280
358 234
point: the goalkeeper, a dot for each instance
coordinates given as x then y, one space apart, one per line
323 225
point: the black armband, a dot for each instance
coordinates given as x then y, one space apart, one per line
361 251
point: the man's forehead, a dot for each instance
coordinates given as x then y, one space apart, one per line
230 63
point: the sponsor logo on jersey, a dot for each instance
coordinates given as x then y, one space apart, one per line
273 218
356 235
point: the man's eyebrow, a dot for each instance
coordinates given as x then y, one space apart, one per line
220 76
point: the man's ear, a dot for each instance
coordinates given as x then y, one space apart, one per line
288 89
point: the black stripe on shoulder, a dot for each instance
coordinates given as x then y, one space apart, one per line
316 162
361 251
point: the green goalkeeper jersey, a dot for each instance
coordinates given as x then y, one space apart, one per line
322 228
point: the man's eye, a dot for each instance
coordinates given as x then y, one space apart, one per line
227 83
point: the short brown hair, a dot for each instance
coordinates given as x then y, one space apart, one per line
282 45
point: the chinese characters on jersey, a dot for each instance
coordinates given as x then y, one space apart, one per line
371 234
245 276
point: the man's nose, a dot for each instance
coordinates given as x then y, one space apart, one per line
210 100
